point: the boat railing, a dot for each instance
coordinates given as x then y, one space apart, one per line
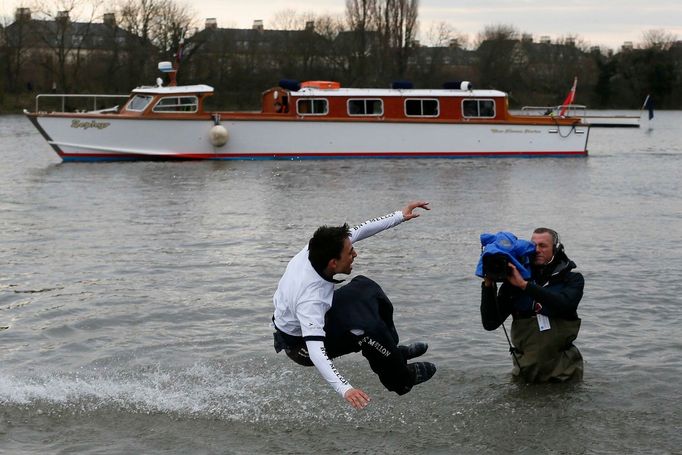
572 110
606 119
68 100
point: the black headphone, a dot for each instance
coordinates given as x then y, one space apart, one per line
558 246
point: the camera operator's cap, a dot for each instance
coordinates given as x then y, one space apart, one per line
517 251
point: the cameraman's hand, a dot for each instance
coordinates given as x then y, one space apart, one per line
514 278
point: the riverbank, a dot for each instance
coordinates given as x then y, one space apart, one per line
12 103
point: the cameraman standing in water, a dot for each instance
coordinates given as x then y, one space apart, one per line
544 310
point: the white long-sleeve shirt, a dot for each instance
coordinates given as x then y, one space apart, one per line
303 298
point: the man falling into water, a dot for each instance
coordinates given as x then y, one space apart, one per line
302 318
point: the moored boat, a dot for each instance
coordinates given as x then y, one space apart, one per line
314 119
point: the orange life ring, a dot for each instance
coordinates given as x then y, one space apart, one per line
329 85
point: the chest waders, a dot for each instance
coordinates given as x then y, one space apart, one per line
549 355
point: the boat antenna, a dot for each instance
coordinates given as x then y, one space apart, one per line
176 65
172 75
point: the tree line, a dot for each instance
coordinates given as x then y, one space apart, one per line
72 49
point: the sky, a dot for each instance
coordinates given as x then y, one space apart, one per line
606 23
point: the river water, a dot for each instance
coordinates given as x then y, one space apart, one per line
135 301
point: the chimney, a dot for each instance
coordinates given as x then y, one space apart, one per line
109 19
310 26
62 16
454 42
258 25
22 14
627 46
527 38
211 23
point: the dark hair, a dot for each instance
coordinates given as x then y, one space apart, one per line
327 244
553 233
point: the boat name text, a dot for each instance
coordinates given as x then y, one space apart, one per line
511 130
89 124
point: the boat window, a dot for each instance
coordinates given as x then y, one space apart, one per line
317 106
421 108
139 103
478 108
366 107
177 104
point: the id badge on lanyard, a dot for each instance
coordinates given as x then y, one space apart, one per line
543 321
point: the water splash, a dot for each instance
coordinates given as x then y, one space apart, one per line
255 391
201 390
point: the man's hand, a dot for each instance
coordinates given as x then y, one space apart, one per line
407 211
357 398
514 278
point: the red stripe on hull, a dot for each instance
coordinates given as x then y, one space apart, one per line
309 155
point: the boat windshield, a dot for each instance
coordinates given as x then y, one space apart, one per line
139 103
177 104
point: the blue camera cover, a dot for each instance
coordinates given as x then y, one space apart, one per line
519 252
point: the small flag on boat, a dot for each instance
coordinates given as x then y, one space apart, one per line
569 98
649 105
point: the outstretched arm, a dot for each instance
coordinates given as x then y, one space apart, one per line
376 225
356 397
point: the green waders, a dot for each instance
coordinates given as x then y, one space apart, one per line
547 356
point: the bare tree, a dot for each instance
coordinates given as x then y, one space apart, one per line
64 32
443 34
330 62
138 17
575 41
397 27
173 23
362 25
159 25
658 39
16 38
287 19
497 32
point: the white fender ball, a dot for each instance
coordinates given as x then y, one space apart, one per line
218 135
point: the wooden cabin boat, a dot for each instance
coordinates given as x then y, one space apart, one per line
311 120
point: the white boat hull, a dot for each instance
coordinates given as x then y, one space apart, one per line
85 138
